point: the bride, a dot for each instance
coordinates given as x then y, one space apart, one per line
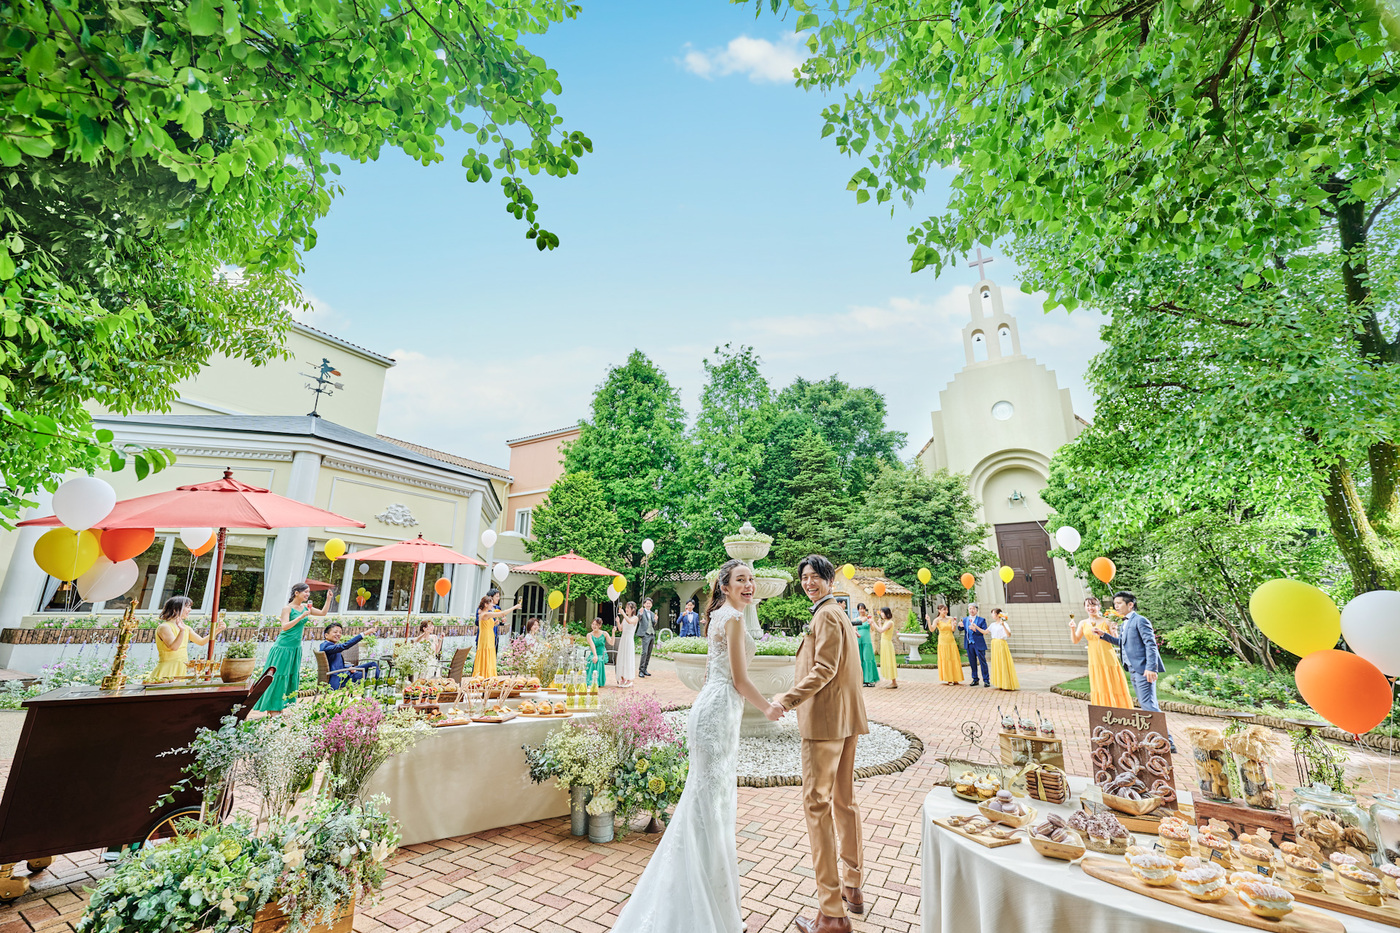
692 880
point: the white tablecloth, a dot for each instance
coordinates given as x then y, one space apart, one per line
466 779
968 888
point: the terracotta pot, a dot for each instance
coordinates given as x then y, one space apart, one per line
237 670
272 919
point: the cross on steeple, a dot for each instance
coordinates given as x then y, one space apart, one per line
979 264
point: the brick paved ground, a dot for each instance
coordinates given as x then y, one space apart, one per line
536 877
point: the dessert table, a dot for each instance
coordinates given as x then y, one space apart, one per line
466 779
968 888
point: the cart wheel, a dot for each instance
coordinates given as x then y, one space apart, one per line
36 865
164 828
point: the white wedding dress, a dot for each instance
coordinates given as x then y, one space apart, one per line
627 650
691 883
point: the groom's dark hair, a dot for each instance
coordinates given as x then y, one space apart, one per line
820 566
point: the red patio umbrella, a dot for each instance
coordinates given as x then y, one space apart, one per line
223 503
567 564
414 551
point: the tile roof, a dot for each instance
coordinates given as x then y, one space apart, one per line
537 436
446 457
343 342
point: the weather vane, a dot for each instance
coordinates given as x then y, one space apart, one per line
321 384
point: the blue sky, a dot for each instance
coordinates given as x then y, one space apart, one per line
710 211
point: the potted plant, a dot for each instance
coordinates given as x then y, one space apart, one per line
651 781
240 661
913 636
578 759
601 816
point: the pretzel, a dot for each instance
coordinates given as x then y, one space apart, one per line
1102 758
1160 788
1127 741
1102 737
1128 762
1159 765
1102 777
1155 743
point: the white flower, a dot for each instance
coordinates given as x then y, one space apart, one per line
346 854
292 856
381 851
364 834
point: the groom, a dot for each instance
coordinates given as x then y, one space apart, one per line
830 714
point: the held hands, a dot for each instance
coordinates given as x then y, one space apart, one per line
774 712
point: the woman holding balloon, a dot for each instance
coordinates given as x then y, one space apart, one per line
949 657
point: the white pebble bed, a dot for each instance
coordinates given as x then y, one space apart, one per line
780 755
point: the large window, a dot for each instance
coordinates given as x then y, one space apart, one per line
531 598
523 520
400 586
368 575
186 575
429 600
245 572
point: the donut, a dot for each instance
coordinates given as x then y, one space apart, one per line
1156 743
1102 758
1159 765
1102 737
1126 740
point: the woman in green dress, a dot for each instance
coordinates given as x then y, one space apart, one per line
598 640
869 670
286 651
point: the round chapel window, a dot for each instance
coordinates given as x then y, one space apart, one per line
1003 410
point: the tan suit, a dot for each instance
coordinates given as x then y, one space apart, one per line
831 714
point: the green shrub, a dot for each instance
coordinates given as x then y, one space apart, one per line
786 614
1202 644
1246 686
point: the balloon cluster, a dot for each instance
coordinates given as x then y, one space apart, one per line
362 596
101 562
1349 689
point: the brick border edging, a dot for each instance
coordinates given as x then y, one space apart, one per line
1379 742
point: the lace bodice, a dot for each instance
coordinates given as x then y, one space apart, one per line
718 668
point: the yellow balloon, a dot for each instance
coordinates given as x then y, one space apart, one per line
65 554
335 549
1296 617
1007 574
848 571
620 583
556 599
924 576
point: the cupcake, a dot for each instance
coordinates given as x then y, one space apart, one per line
1264 899
1205 883
1153 869
1390 879
1258 858
1360 885
1303 873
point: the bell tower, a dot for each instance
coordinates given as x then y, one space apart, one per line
991 333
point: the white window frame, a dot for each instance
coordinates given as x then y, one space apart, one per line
524 529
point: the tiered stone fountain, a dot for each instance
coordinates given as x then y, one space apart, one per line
770 674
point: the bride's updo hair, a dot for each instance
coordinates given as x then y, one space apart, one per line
717 591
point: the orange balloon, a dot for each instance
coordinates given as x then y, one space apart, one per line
880 588
1345 689
207 546
443 586
968 581
1103 568
121 544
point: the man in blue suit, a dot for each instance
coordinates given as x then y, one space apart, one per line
1137 645
334 650
975 631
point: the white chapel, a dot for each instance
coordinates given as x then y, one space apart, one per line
1000 420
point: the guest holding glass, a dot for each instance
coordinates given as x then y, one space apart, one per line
489 620
427 632
598 641
974 629
625 633
1003 667
889 661
1107 684
285 655
174 636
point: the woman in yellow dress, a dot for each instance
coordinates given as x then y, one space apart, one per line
1003 668
488 620
1108 686
889 661
949 657
173 636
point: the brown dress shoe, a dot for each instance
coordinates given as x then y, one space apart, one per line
823 924
854 899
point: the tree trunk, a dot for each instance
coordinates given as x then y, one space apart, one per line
1373 565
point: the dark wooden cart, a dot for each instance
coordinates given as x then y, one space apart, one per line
89 768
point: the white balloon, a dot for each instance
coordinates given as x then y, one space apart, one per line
612 593
488 539
107 580
195 537
83 501
364 568
1371 626
1068 539
500 572
648 545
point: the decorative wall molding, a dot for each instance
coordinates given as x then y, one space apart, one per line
397 514
230 453
395 477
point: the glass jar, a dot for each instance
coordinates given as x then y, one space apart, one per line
1257 782
1385 813
1213 773
1333 822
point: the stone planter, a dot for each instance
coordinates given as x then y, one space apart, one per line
578 816
768 588
600 827
771 674
747 550
237 670
911 641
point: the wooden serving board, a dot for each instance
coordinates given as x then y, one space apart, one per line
987 841
1333 899
1301 920
186 685
455 722
506 718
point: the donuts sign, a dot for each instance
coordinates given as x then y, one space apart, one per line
1131 754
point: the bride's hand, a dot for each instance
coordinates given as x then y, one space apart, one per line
774 712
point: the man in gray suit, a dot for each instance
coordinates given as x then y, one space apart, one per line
1137 643
646 630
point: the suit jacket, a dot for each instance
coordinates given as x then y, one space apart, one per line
1138 644
646 623
827 689
971 639
334 652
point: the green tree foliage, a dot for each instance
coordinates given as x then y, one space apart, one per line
149 146
852 421
771 496
910 519
1251 143
632 445
815 521
575 516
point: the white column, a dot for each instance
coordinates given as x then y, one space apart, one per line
24 581
289 549
384 585
462 601
162 571
345 579
417 592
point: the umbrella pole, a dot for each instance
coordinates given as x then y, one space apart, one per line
568 581
216 578
413 599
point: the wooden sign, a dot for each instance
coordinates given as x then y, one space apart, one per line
1132 741
1242 819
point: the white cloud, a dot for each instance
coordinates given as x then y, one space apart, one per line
319 314
759 59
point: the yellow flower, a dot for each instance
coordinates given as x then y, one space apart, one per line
656 785
642 765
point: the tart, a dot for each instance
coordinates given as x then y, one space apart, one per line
1303 873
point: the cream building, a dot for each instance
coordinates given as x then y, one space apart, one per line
1000 420
255 421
